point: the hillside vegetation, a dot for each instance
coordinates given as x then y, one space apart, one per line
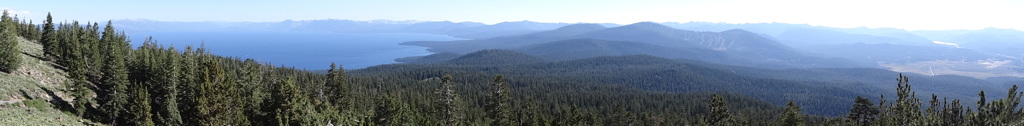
34 93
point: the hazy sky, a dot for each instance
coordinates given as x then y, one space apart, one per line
905 14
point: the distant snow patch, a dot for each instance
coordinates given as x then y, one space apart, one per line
946 43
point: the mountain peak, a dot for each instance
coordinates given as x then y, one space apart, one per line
648 25
569 30
737 31
582 26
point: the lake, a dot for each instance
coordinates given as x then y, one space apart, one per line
300 49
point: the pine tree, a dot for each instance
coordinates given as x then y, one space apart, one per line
210 75
337 98
933 116
863 111
77 80
10 54
498 102
290 103
718 112
981 117
529 114
792 116
69 45
953 114
448 107
26 29
217 97
49 39
906 108
1008 112
622 117
151 64
112 94
138 109
30 31
253 83
80 90
1001 111
255 92
389 111
569 115
95 50
339 93
166 98
189 87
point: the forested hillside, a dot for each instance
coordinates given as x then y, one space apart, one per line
820 91
108 82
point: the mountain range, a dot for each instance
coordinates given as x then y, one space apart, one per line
735 47
457 29
983 53
822 68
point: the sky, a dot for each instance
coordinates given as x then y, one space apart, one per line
903 14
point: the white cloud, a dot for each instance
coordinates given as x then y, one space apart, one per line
13 12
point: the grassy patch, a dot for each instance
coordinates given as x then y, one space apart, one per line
34 75
31 81
39 104
11 87
14 115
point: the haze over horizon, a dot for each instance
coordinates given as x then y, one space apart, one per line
909 15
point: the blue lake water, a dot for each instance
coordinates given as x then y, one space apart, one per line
300 49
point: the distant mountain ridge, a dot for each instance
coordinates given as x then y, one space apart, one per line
586 48
982 53
456 29
736 47
973 52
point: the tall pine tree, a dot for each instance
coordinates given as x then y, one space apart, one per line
188 87
113 89
390 111
530 114
338 92
217 95
290 103
498 102
138 109
167 97
49 39
77 81
907 108
792 116
863 111
252 82
448 109
10 54
953 114
718 112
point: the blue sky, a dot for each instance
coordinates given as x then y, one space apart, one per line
905 14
